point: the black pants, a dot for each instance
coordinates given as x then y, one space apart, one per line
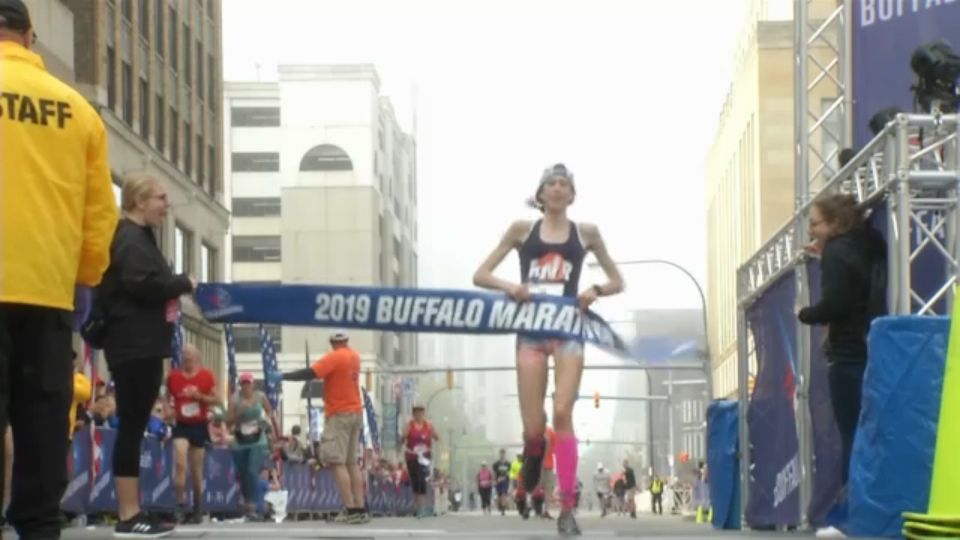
36 391
657 503
138 384
485 493
418 476
846 390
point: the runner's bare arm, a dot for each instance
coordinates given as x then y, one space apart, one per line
594 241
511 239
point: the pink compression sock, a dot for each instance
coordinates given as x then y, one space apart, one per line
567 458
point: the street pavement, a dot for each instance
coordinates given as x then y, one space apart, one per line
468 526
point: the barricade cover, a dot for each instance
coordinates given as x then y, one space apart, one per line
775 467
827 445
892 463
91 490
723 464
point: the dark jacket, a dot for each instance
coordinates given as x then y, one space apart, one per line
135 296
853 292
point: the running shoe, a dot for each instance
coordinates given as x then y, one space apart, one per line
142 526
567 524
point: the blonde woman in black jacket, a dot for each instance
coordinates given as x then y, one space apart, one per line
139 299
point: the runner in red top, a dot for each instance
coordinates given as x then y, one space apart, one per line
192 390
418 440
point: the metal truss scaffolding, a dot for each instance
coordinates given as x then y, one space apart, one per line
912 168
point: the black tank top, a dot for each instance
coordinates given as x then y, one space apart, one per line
552 269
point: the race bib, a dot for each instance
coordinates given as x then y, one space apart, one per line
548 289
172 307
190 410
250 428
420 449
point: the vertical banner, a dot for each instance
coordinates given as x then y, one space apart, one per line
827 445
231 359
176 357
885 34
775 468
269 354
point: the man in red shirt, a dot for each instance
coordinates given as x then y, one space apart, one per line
191 390
343 412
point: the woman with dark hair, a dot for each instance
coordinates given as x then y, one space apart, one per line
418 440
853 282
551 251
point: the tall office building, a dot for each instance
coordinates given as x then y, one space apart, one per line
321 183
750 168
152 70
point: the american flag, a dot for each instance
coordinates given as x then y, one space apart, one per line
269 366
231 359
176 358
372 422
90 368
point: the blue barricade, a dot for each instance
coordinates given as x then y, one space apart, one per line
90 487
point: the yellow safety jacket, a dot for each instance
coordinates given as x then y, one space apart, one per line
57 208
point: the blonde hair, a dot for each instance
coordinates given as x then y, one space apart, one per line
136 188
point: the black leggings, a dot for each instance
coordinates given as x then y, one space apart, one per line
138 384
846 389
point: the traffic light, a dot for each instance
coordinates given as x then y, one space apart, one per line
596 400
449 379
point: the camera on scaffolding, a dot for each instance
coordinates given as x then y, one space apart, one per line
937 68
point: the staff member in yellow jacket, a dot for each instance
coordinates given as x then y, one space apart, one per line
57 217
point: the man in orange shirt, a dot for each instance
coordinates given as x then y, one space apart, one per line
343 409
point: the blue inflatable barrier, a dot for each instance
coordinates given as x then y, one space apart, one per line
90 487
892 462
723 463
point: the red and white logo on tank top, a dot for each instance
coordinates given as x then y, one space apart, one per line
548 274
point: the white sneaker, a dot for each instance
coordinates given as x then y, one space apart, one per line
830 532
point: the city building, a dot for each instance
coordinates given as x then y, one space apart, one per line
152 70
321 184
749 187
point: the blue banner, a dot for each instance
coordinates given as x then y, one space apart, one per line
231 360
405 310
156 474
885 34
775 468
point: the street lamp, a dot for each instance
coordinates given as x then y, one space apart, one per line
703 303
705 357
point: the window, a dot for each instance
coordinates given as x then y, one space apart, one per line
210 9
111 78
173 40
246 339
158 17
326 157
174 136
144 110
126 87
200 169
208 262
144 19
200 80
212 162
255 162
254 116
183 250
160 140
256 206
397 252
126 9
256 249
212 87
187 149
187 79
